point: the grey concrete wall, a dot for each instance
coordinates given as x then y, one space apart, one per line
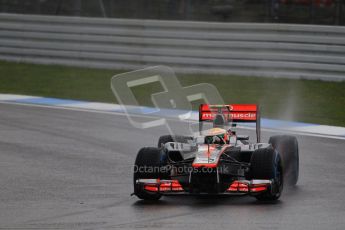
249 49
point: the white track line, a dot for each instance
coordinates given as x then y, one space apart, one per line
145 116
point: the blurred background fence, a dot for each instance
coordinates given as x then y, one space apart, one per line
327 12
250 49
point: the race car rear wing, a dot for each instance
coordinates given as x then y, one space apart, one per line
237 113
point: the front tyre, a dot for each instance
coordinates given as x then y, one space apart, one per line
147 165
287 146
266 164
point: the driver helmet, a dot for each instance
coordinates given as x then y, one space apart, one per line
216 136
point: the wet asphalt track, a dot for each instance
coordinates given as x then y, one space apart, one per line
62 169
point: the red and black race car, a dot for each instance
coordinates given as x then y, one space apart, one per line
217 160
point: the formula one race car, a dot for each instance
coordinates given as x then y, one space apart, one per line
217 160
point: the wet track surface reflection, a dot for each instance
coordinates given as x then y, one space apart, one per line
62 169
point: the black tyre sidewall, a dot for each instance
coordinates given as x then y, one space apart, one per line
265 164
147 157
287 146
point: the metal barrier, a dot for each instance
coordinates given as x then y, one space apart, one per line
249 49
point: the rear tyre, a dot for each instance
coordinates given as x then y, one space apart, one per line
175 138
266 164
287 146
147 158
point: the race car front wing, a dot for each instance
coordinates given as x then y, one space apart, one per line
173 187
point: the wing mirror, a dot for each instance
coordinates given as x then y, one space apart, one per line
242 137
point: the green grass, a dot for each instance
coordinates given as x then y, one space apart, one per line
300 100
